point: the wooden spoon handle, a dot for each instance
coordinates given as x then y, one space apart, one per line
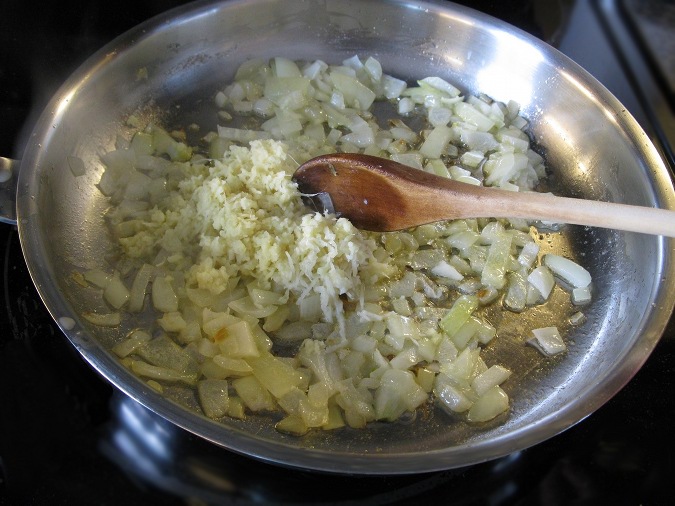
546 207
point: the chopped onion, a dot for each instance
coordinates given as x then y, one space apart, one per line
240 135
97 277
459 314
472 158
115 293
445 270
413 160
253 394
404 337
392 87
294 332
161 373
397 394
528 254
472 116
439 116
442 85
213 397
548 340
284 67
493 403
405 106
135 340
163 296
516 294
436 142
172 322
569 271
542 279
495 375
450 396
497 259
354 92
581 296
139 287
577 318
103 319
373 68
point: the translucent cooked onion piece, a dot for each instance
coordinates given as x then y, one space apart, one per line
497 260
445 270
163 296
451 396
492 404
568 270
116 293
494 376
253 394
528 255
542 279
139 287
293 425
577 318
162 351
135 340
581 295
103 319
516 292
97 277
436 142
459 314
398 393
274 374
548 340
214 397
162 373
238 341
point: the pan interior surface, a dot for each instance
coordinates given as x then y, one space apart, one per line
169 70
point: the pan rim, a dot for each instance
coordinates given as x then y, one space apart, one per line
34 254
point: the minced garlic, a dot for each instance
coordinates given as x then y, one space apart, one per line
245 213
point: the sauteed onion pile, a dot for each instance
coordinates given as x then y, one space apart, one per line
263 306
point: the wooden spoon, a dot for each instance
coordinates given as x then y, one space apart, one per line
382 195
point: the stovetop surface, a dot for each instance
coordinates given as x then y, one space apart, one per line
67 437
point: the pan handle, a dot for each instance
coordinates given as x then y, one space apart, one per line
8 181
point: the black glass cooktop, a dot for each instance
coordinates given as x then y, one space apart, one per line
67 437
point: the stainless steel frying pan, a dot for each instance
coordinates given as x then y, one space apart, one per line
593 147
